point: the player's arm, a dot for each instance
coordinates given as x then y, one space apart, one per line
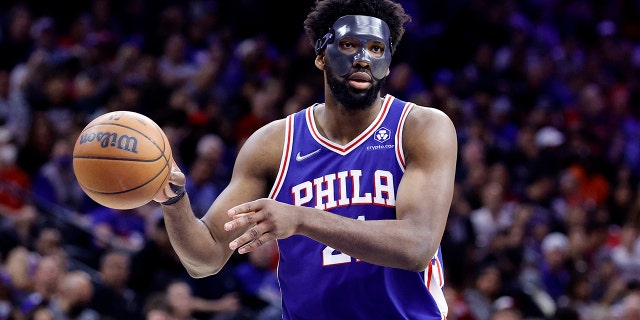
423 201
202 244
422 206
426 189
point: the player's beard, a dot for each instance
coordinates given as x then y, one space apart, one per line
350 98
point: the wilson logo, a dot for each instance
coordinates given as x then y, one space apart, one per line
111 139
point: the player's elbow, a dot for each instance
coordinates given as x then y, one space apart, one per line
201 272
201 269
419 259
413 262
410 260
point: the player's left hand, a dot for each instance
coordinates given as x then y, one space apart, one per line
266 220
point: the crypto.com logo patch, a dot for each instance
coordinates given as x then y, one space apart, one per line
382 134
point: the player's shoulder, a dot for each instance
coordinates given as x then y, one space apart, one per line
430 118
429 131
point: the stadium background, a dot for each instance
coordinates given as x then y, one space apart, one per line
546 215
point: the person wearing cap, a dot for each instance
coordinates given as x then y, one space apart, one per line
554 272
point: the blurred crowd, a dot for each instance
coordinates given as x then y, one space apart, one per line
545 220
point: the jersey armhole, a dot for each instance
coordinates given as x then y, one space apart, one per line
400 157
286 157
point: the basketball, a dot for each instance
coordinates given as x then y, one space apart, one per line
121 159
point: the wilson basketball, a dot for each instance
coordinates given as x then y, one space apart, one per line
122 159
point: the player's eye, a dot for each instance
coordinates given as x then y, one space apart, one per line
347 45
377 50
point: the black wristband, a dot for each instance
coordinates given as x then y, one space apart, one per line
179 191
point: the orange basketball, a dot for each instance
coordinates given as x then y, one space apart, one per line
122 159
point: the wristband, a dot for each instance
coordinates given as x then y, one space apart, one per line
179 191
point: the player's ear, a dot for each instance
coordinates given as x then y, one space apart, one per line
320 61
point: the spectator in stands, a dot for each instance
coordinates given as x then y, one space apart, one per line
579 297
14 181
626 254
6 299
505 308
572 74
608 285
19 227
496 213
218 296
207 173
111 295
14 111
156 307
15 47
181 300
15 275
459 241
155 264
48 241
41 312
225 305
55 183
38 146
175 66
259 282
73 297
628 308
124 229
404 82
553 267
48 273
459 309
486 288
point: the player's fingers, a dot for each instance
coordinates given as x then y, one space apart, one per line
241 220
243 208
164 194
252 245
177 178
250 235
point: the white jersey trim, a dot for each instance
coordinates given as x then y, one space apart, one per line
398 139
361 138
434 276
286 157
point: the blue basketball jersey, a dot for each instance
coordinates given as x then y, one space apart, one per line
358 180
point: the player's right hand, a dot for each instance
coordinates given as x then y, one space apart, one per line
176 178
265 219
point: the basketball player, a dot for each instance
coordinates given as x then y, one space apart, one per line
356 189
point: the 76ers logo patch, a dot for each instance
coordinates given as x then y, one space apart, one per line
382 134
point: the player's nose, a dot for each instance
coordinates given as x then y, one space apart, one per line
362 57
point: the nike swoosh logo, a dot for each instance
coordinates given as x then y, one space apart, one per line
300 158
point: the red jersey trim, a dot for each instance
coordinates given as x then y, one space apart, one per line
286 157
345 149
398 140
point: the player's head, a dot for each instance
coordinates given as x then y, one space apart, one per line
352 36
369 25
